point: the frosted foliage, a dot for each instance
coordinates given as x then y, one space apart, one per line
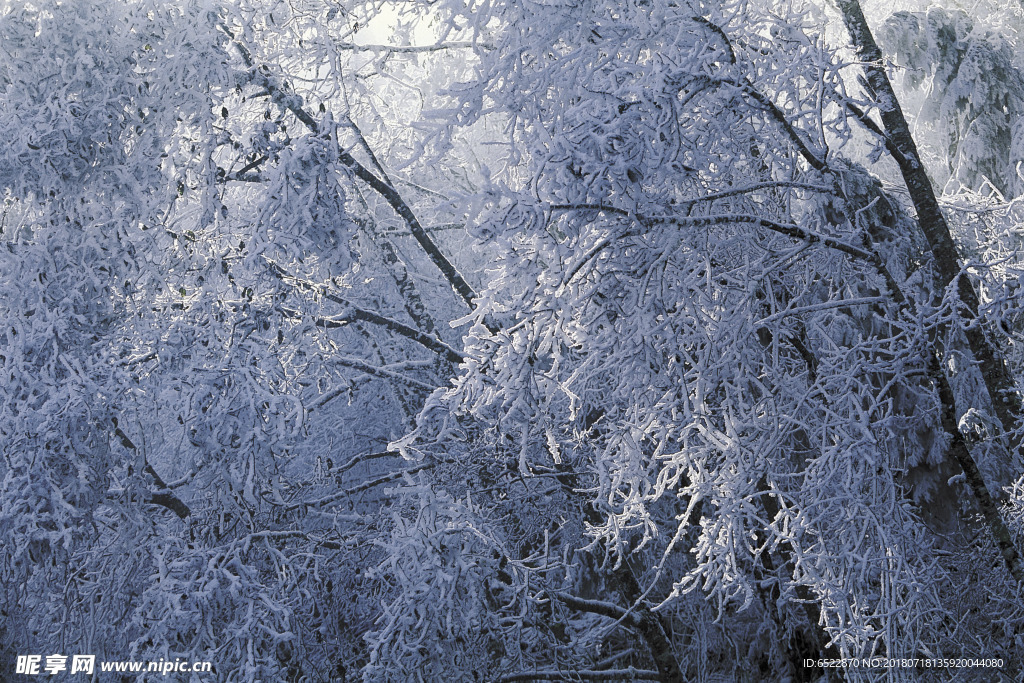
171 389
509 341
443 567
971 91
647 358
306 202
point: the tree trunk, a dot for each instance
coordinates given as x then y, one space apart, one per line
999 383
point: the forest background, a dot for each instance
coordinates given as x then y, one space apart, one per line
487 340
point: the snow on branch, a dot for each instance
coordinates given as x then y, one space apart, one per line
293 103
601 607
823 306
163 498
415 49
383 373
780 117
788 229
355 313
334 497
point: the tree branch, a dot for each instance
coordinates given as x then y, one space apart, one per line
720 32
167 500
334 497
172 503
414 49
283 535
788 229
601 607
354 313
763 100
365 457
383 373
780 117
293 103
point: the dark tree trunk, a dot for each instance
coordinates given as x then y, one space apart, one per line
999 383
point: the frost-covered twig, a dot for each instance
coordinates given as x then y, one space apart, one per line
294 104
335 497
353 313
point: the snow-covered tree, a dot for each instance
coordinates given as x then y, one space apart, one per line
719 364
972 95
510 341
213 325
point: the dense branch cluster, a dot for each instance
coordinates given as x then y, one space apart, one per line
511 341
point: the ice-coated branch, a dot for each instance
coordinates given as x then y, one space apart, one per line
763 101
286 534
365 457
601 607
1001 534
754 187
293 103
162 498
788 229
366 486
383 373
354 313
415 49
1001 387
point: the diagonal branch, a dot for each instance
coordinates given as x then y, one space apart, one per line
355 313
396 267
163 499
780 117
335 497
762 100
383 373
293 102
